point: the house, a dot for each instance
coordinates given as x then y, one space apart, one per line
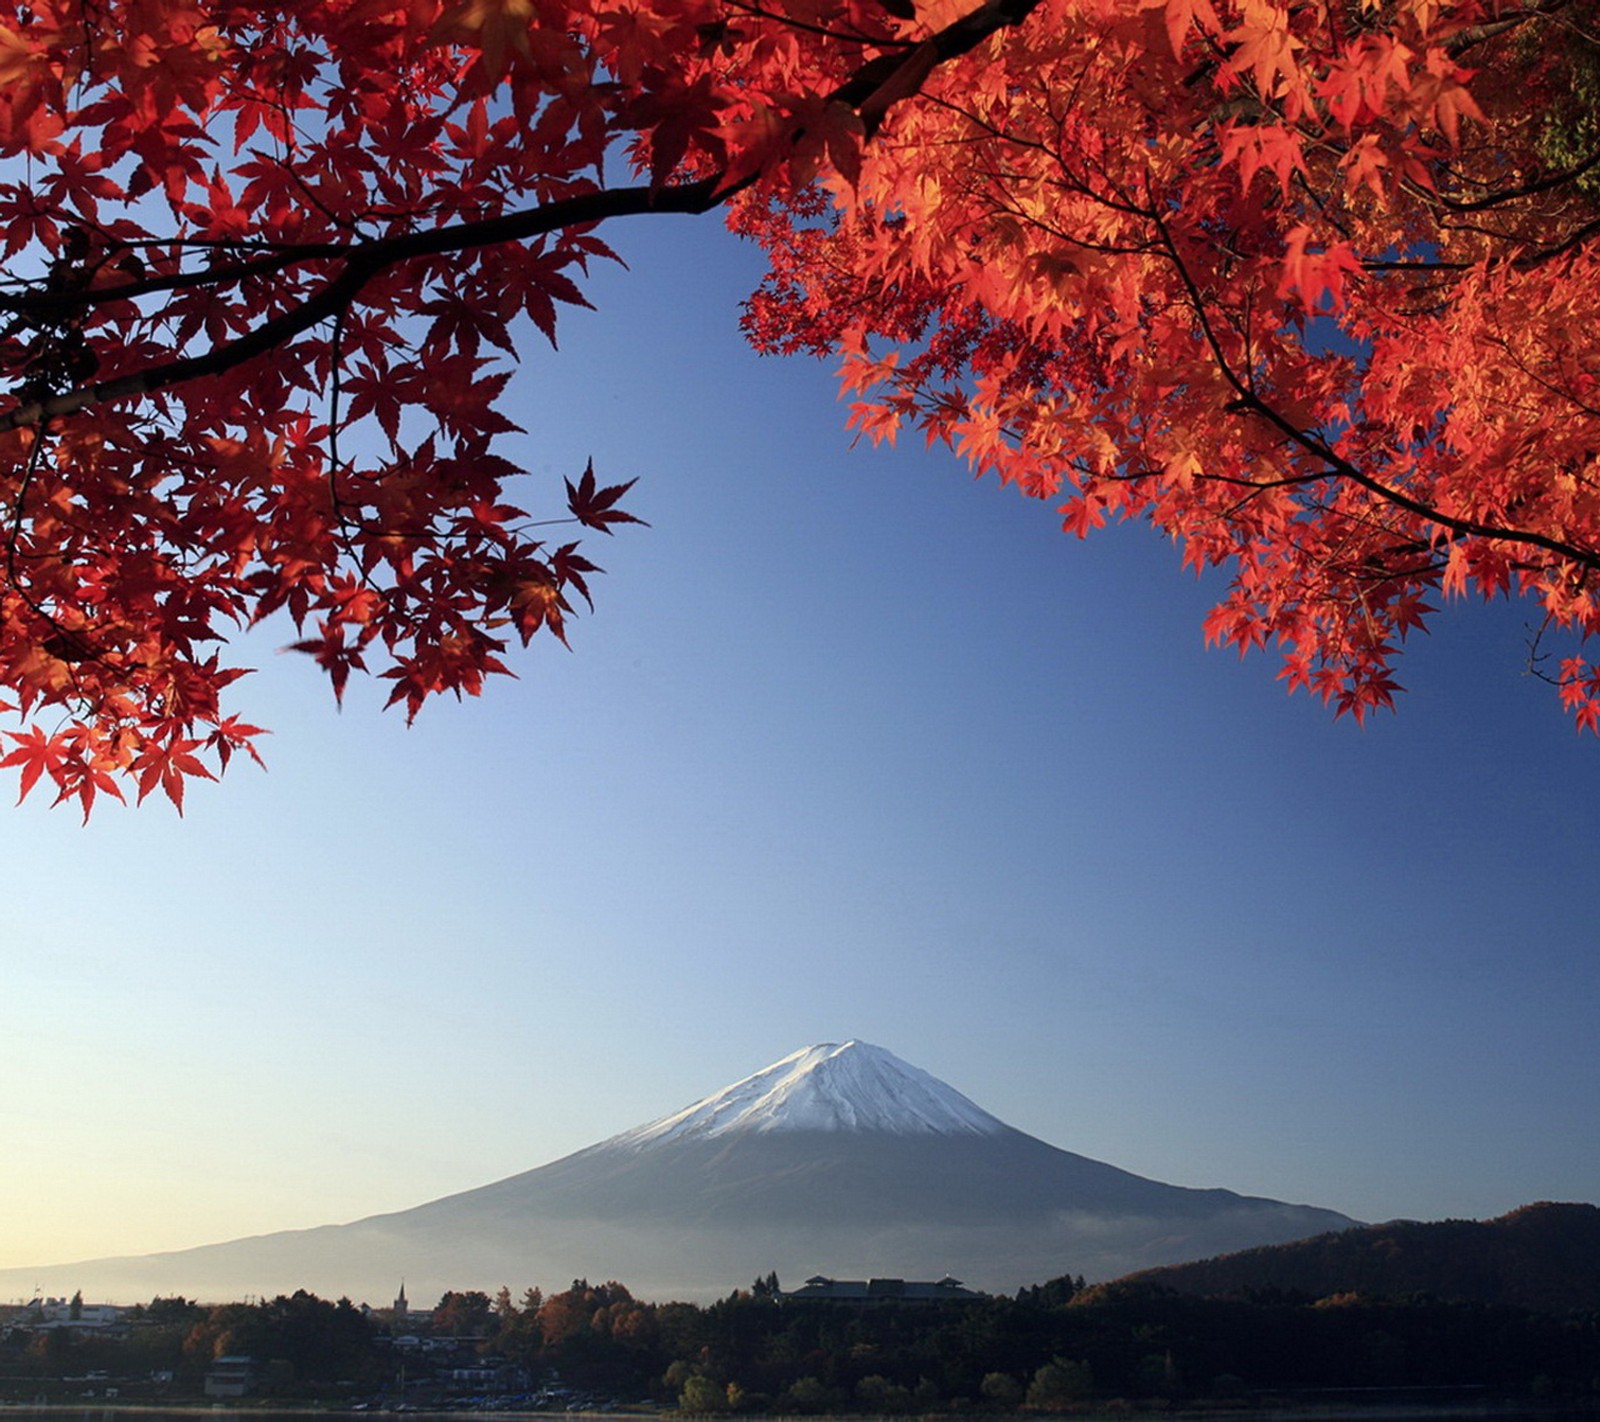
44 1315
865 1292
231 1375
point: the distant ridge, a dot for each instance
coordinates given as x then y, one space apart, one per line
839 1159
1544 1257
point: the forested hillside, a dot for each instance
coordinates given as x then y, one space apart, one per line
1544 1256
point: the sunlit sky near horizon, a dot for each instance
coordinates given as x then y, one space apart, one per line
853 746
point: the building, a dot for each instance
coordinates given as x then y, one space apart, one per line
231 1375
881 1291
45 1314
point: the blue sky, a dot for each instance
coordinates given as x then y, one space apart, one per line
853 747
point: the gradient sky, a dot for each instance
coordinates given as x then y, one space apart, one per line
853 747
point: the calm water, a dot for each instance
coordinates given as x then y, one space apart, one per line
134 1413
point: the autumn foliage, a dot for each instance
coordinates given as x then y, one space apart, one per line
1309 284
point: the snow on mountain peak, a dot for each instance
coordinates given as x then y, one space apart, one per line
852 1086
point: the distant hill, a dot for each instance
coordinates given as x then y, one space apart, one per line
839 1160
1544 1256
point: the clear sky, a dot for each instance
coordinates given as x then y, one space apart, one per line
853 747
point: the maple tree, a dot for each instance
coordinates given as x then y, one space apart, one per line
1308 284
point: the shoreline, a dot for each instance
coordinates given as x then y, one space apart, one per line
1266 1412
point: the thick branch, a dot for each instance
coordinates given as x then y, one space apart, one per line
362 262
871 91
1463 40
44 302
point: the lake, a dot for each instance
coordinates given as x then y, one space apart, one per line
12 1412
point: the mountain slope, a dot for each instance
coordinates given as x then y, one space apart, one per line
839 1159
1544 1257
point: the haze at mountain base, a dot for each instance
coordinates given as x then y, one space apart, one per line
838 1159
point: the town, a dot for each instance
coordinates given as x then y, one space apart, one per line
829 1346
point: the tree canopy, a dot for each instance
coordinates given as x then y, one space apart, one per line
1311 285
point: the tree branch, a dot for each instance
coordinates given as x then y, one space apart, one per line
1249 400
871 91
363 261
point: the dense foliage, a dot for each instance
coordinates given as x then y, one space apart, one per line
1051 1348
1544 1257
1312 285
310 1343
1058 1346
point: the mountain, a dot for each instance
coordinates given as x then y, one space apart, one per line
856 1087
839 1159
1544 1257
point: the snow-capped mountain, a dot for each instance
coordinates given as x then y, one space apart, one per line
838 1159
853 1087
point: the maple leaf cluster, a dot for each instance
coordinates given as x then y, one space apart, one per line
231 392
1308 284
264 269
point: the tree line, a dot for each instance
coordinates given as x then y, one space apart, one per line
1055 1347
